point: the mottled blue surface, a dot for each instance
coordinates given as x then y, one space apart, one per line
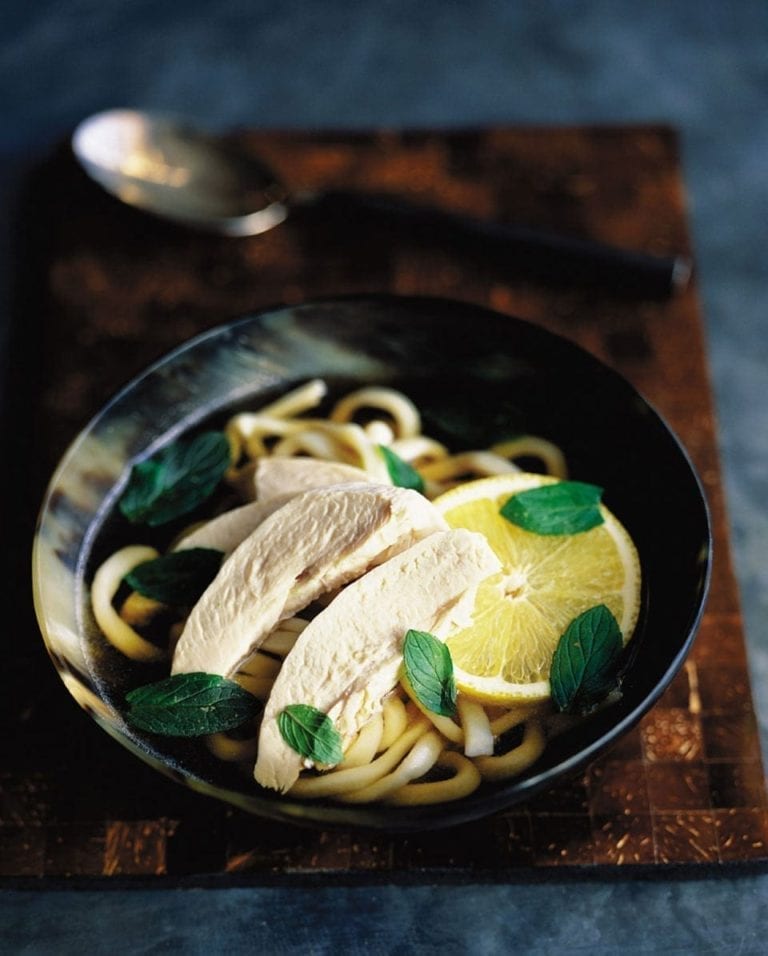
598 919
698 64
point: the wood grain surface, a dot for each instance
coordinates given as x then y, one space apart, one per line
103 290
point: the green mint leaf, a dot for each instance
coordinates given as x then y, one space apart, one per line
178 578
310 733
175 480
565 507
189 705
429 671
402 474
585 662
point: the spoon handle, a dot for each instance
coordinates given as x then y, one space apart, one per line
528 252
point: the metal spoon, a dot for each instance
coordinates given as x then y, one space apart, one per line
166 167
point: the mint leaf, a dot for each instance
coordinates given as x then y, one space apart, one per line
175 480
189 705
429 670
402 474
310 733
565 507
585 662
178 578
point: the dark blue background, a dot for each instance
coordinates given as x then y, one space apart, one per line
702 66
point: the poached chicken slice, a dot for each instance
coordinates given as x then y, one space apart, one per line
313 544
348 658
275 477
275 481
228 530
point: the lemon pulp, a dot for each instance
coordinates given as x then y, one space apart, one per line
546 581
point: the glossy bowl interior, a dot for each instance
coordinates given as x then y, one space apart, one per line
478 377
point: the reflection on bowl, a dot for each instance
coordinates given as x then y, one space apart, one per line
476 375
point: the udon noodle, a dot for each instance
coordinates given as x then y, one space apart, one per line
405 754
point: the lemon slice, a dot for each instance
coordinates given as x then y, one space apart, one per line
546 581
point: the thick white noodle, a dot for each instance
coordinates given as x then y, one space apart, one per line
379 432
342 781
366 745
106 583
466 779
138 610
301 399
478 463
312 442
447 727
249 431
395 721
478 737
260 665
420 760
531 446
281 640
419 449
404 414
509 719
516 760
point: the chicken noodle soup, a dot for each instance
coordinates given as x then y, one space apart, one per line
348 592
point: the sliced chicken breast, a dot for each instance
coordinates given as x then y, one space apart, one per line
348 658
228 530
316 542
274 481
274 477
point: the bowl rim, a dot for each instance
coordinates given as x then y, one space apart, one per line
336 815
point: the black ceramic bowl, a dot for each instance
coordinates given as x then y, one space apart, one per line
478 377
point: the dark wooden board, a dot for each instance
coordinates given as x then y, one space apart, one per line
103 290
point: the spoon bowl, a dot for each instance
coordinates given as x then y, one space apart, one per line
168 168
